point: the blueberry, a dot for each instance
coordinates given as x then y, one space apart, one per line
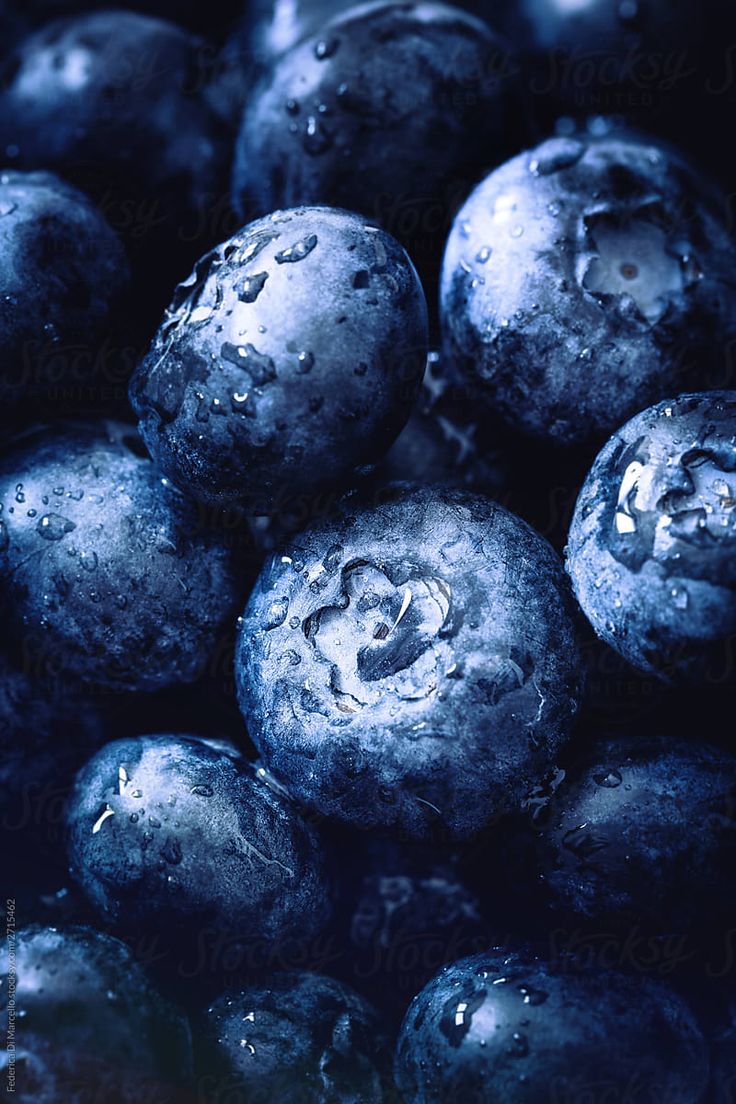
651 546
509 1026
290 357
582 281
390 109
107 564
641 832
410 664
297 1038
63 282
89 1024
268 30
117 103
174 834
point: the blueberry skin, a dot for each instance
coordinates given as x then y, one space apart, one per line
117 103
290 356
270 29
580 263
410 663
90 1023
642 832
299 1038
107 563
503 1026
389 109
173 834
63 281
651 545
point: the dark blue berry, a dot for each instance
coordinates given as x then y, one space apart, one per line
118 104
63 284
88 1023
583 280
290 357
177 835
410 663
106 564
298 1038
651 546
391 110
641 832
508 1026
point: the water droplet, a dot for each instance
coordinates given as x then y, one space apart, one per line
458 1015
332 558
54 527
202 791
483 255
325 48
624 519
259 366
680 598
305 362
531 996
556 154
609 779
88 561
298 251
7 207
239 402
252 287
317 138
277 613
519 1045
106 813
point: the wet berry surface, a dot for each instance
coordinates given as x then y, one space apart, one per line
367 552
